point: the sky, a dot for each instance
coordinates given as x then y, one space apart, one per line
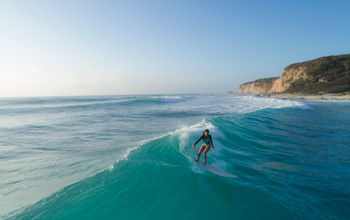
69 48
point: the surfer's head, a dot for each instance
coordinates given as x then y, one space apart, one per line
206 132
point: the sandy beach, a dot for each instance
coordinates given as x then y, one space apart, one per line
310 97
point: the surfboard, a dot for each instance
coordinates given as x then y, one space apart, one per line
216 170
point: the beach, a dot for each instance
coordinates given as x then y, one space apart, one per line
309 97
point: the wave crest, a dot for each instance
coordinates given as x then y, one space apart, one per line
243 104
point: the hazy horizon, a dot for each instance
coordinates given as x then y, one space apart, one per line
88 48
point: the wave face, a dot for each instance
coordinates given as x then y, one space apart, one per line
130 157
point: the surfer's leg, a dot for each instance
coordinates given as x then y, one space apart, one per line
205 154
200 152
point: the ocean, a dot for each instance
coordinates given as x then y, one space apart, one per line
130 157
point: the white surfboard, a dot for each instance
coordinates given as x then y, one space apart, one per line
216 170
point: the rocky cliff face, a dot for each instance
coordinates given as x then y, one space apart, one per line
323 75
265 85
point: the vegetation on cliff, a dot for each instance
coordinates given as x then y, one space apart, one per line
262 81
323 75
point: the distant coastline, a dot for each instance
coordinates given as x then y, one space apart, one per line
325 78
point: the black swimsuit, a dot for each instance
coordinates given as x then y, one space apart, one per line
207 141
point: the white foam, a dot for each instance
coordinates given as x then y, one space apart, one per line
200 126
165 98
184 132
249 103
242 104
124 156
129 150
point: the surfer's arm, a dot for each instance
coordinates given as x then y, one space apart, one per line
197 142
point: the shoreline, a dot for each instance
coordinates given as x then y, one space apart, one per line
309 96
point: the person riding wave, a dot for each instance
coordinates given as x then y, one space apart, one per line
207 144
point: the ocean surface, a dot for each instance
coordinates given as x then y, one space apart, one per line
130 157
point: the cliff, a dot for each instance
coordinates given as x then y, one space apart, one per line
264 85
320 76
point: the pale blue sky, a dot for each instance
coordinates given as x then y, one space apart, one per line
137 47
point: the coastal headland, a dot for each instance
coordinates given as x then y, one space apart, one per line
321 78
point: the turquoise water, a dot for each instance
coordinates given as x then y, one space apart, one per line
130 157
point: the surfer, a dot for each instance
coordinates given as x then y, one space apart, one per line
207 144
